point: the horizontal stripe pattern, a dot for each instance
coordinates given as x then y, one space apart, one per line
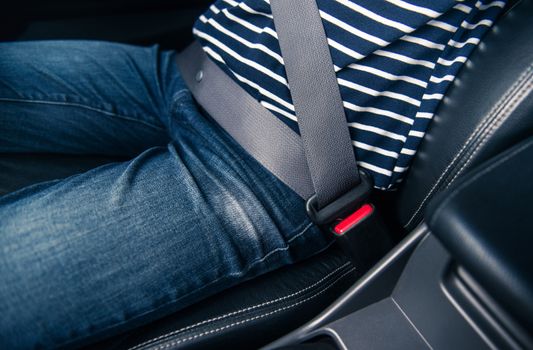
394 61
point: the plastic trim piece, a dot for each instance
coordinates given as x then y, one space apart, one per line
376 284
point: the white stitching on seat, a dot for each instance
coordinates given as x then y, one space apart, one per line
508 109
233 313
501 103
477 176
216 330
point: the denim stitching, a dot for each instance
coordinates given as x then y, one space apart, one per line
155 66
174 106
72 104
176 97
282 248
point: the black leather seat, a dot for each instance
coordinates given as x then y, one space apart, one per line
488 109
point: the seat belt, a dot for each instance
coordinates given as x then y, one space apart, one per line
320 165
316 98
319 109
266 138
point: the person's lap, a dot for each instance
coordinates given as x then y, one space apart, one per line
125 243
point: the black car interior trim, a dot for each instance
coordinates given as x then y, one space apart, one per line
249 308
375 285
464 247
479 137
504 54
178 340
493 248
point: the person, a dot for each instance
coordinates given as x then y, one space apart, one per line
191 213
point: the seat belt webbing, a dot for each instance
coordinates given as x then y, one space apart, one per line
316 97
271 142
322 160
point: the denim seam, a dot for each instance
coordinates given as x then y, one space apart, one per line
249 308
242 273
176 97
281 248
79 105
155 64
216 330
174 106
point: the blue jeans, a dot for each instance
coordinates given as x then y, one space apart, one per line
126 243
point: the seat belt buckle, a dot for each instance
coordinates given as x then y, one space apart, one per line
352 231
355 224
343 226
362 236
343 206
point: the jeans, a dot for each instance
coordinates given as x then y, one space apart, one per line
97 253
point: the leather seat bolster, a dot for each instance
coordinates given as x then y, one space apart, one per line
485 222
252 313
487 109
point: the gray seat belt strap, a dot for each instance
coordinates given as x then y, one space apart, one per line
271 142
316 98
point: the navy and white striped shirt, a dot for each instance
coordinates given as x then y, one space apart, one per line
394 60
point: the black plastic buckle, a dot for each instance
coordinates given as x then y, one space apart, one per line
363 236
343 206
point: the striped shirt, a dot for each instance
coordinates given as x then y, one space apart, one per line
394 60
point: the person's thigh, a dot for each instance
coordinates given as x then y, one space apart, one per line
126 243
80 97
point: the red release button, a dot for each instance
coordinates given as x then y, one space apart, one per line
356 217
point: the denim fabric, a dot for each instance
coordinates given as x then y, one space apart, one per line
126 243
